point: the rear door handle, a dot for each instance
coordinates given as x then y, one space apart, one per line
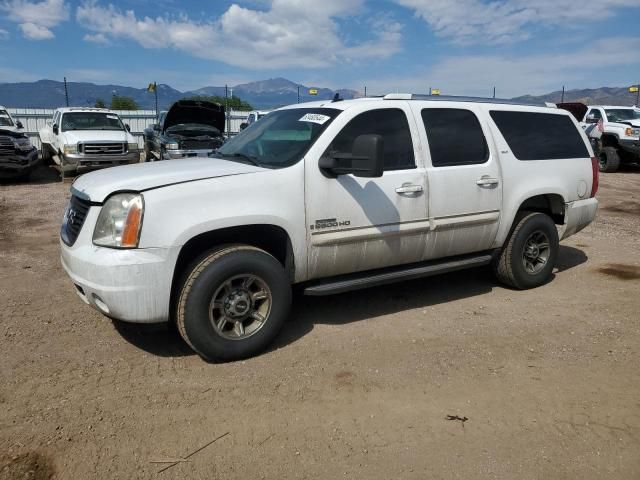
410 189
487 181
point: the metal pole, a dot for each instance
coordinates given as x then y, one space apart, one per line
365 91
66 91
226 101
155 90
562 101
494 92
429 90
298 93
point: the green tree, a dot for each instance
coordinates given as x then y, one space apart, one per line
235 103
100 103
123 103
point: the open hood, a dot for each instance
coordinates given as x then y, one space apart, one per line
195 111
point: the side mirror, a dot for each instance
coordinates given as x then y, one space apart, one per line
127 127
365 160
243 125
155 126
19 124
55 129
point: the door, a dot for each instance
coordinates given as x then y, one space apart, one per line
356 224
465 185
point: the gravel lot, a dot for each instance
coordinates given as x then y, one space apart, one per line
358 385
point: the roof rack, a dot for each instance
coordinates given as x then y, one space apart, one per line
454 98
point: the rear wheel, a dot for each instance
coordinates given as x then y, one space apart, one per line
528 258
233 302
609 160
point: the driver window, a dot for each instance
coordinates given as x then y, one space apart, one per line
392 125
596 114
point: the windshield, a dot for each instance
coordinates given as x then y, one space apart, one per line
193 126
281 138
91 121
5 119
622 114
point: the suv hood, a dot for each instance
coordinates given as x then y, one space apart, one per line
195 111
11 132
97 186
75 136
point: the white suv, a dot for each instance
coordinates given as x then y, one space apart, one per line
335 196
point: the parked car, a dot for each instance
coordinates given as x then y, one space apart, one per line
332 196
619 136
18 157
190 128
81 139
253 117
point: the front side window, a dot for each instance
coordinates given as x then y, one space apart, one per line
622 114
392 125
280 139
540 136
595 113
455 137
91 121
5 119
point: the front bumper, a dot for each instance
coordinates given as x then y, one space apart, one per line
18 164
77 162
132 285
177 154
631 146
578 215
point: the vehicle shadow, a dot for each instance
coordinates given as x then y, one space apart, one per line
40 176
165 341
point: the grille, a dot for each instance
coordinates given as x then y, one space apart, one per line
199 144
103 148
74 219
6 145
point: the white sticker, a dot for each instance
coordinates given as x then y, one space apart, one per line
112 117
315 118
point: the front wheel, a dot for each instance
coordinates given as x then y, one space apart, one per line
528 258
233 302
609 160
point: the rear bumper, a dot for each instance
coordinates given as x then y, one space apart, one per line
79 162
578 215
16 165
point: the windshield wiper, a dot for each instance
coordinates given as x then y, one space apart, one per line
248 158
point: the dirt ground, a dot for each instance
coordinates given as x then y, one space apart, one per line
357 386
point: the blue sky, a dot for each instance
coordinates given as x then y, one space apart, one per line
461 47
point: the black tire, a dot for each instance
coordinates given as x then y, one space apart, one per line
609 160
45 154
208 276
509 266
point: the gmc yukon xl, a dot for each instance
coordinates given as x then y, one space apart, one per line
334 196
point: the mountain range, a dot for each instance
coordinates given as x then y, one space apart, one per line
265 94
270 93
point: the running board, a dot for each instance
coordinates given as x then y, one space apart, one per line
397 274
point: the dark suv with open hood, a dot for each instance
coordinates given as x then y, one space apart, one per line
190 128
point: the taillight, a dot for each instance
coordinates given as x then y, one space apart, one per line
596 176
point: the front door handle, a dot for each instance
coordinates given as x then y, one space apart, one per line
408 188
487 181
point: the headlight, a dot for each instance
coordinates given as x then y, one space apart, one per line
632 132
172 146
22 143
132 147
70 148
120 221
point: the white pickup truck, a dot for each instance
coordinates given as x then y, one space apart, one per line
619 133
80 139
334 196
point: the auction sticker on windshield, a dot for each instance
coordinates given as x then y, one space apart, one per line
112 117
315 118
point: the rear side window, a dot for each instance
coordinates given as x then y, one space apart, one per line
540 136
392 125
455 137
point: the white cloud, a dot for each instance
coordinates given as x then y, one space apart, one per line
518 75
36 32
288 34
4 35
99 38
36 18
503 21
